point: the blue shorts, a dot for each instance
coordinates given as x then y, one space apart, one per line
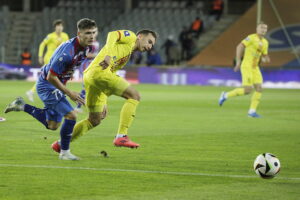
56 103
55 112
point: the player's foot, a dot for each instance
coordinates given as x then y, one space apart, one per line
68 156
222 98
16 105
56 146
125 142
29 94
254 115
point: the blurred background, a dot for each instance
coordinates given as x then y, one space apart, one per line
196 45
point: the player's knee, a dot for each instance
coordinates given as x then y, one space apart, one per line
53 127
137 96
71 116
248 90
95 121
258 89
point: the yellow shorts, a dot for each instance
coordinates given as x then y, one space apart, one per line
99 84
251 76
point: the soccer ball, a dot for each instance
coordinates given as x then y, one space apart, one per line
266 165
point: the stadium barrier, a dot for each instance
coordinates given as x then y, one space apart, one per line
213 76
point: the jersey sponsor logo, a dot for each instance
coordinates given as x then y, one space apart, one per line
278 41
126 33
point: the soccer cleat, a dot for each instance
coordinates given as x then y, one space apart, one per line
29 94
16 105
56 146
125 142
68 156
222 98
254 115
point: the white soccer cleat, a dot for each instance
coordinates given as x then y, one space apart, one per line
222 98
68 156
29 94
16 105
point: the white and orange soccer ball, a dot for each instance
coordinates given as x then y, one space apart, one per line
266 165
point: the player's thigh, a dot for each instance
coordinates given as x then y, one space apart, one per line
56 111
93 99
257 76
247 76
109 83
118 85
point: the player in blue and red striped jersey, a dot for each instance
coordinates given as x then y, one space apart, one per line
52 90
90 55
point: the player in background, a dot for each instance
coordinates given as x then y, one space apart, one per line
52 41
89 58
101 81
253 49
52 90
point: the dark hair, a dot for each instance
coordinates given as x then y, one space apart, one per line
146 32
86 23
58 22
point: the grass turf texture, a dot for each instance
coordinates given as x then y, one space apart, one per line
180 129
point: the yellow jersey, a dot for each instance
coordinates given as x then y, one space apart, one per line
119 46
52 41
255 47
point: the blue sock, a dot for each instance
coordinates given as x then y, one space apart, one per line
82 95
37 113
66 133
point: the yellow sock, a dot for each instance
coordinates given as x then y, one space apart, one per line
255 99
236 92
33 88
127 115
81 128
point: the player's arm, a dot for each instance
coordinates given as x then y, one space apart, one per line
103 100
57 67
113 38
239 54
265 58
53 79
42 46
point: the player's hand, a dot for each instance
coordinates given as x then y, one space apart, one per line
265 59
105 63
104 112
75 96
237 67
41 60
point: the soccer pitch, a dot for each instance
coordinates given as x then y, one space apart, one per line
190 149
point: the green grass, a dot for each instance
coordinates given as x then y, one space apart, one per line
180 129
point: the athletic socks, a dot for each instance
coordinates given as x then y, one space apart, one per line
37 113
66 133
127 115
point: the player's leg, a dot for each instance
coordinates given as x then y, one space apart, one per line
247 82
30 93
64 108
95 102
19 105
255 99
127 114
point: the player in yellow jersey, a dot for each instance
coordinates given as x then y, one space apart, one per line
100 81
52 41
253 49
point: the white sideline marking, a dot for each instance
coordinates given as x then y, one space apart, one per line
137 171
